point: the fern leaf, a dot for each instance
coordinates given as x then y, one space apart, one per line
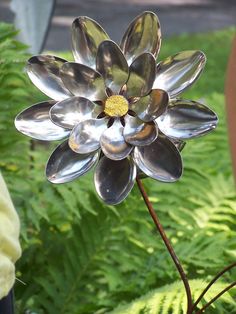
172 299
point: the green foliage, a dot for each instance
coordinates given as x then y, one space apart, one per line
172 299
81 256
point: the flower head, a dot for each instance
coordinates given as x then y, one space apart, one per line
120 109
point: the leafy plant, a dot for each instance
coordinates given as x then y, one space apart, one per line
172 299
80 256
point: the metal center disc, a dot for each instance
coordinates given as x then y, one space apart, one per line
116 106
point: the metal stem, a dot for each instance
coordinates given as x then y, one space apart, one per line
212 282
168 246
216 297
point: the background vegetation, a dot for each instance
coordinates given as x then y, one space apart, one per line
80 256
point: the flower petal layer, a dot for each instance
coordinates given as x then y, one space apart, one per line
186 119
113 66
85 136
142 35
64 165
160 160
178 144
44 71
83 81
113 143
35 122
153 105
139 133
142 75
69 112
87 35
178 72
114 179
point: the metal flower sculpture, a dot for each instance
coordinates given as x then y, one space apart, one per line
121 112
118 107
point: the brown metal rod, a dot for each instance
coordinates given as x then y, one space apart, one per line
168 246
212 282
230 97
216 297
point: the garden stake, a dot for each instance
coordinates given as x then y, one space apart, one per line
212 282
168 245
190 305
120 110
216 297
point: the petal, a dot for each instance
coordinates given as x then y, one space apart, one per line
69 112
44 73
187 119
142 75
113 66
179 72
142 35
114 179
85 136
178 144
87 34
139 133
161 160
83 81
151 106
36 123
64 165
113 143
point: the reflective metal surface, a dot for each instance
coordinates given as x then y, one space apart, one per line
87 34
85 136
142 35
35 122
113 66
64 165
187 119
151 106
137 132
175 74
69 112
142 75
178 144
147 123
160 160
113 143
114 179
83 81
43 71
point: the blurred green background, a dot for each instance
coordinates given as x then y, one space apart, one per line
82 257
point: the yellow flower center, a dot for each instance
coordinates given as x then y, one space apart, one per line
116 106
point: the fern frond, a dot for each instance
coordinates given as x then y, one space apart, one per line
172 299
